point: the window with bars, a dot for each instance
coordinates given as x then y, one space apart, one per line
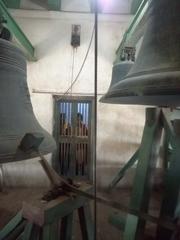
73 133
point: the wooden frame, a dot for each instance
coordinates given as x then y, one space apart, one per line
78 99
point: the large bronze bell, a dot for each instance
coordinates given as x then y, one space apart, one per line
16 113
119 71
155 77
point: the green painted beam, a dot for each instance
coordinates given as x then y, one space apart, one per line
140 196
12 3
16 30
15 221
171 186
135 5
54 5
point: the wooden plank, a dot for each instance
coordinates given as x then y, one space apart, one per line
43 213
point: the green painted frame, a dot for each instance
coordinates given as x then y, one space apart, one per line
14 28
135 5
12 3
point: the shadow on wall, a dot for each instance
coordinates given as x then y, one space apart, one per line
106 173
54 40
117 152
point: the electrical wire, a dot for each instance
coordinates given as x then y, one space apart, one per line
84 61
72 68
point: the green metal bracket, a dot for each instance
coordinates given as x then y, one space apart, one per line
12 4
54 5
134 24
18 33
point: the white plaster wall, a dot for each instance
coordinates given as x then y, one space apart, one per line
119 128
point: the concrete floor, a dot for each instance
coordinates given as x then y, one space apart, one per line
11 202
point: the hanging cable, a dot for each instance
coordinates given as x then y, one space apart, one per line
81 68
72 69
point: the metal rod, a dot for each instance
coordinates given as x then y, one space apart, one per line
95 112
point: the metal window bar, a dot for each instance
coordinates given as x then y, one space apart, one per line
74 138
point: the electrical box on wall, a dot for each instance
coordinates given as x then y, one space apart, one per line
75 35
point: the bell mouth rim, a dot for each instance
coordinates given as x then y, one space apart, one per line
12 157
165 79
144 100
164 70
141 90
